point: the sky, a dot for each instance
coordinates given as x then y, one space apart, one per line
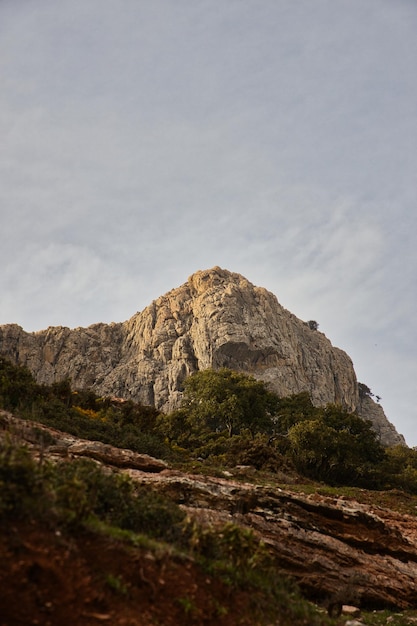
143 140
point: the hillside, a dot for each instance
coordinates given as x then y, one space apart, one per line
227 526
237 526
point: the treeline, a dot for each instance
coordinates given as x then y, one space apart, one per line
226 419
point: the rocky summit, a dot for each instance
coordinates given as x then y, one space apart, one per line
216 319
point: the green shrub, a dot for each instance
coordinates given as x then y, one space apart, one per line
336 447
84 489
260 452
17 386
81 413
399 469
73 492
24 488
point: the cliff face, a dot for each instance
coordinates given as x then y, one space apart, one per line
217 318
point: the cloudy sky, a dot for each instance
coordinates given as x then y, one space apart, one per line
142 140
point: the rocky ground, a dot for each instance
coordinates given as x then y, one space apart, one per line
338 548
334 547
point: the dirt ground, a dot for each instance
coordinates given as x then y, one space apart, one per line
50 579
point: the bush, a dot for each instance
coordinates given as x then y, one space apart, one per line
399 469
337 447
259 452
71 493
17 386
24 489
84 489
81 413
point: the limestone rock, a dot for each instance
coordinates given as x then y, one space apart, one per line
372 411
56 444
333 547
117 457
217 318
353 611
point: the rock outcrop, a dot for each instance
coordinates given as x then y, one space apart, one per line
337 549
217 318
374 412
57 445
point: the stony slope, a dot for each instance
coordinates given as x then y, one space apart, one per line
217 318
336 548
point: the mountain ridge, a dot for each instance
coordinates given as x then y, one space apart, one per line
217 318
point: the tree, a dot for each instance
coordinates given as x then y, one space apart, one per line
337 447
399 469
293 409
364 391
219 400
17 385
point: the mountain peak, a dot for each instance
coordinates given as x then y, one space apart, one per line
216 319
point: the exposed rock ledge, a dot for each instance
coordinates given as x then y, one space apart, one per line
64 445
331 546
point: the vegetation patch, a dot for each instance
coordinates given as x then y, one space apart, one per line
227 421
